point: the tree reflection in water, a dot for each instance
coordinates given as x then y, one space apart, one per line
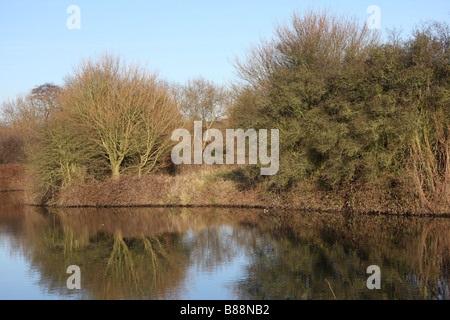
146 253
319 255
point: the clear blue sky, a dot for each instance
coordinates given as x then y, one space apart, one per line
179 38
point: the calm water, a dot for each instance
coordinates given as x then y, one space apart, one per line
218 254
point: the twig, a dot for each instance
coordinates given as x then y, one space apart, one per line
331 289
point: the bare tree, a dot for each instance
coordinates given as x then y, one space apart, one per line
36 107
45 98
203 100
156 123
125 108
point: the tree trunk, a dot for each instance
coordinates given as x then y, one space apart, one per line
115 169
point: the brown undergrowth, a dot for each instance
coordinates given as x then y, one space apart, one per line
206 186
11 177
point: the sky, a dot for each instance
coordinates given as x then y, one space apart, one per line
41 41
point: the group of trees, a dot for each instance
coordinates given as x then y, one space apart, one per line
351 109
108 118
21 116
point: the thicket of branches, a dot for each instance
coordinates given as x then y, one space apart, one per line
202 100
128 113
21 116
350 108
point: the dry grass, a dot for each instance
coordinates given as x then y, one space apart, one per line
206 186
191 188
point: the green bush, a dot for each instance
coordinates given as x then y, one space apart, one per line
351 109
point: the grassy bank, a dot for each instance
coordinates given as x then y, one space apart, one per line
213 187
221 187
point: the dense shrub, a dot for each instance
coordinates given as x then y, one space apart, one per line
350 108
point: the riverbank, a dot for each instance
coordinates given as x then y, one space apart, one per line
212 187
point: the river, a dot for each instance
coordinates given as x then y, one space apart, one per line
216 254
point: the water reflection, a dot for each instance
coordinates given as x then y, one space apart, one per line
145 253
